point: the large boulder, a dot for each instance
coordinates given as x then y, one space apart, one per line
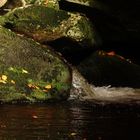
103 69
108 26
31 72
46 25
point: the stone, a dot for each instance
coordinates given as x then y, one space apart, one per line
31 72
46 25
104 69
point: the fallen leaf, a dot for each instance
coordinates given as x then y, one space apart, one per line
2 81
24 71
48 86
3 126
73 134
13 82
111 53
4 77
34 116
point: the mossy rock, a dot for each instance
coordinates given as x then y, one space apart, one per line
48 3
46 24
31 72
103 69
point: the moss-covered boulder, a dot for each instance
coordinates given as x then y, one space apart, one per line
46 24
29 71
103 68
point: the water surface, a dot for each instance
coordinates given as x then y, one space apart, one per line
91 113
72 120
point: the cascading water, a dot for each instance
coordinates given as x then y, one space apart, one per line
83 91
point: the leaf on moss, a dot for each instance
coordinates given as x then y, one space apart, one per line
13 82
24 71
4 77
2 81
48 87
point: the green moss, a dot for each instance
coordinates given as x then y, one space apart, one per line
47 24
42 15
47 3
28 68
38 22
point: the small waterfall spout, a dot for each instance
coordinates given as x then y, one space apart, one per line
82 90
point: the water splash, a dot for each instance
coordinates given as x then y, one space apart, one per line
80 87
81 90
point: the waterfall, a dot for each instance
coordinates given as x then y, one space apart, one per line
82 90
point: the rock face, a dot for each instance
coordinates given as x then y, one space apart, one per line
29 71
89 3
47 24
103 68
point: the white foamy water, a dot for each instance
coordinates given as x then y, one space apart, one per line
118 94
84 91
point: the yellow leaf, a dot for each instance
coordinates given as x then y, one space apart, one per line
24 71
34 116
48 86
73 134
45 90
13 82
36 87
30 85
4 77
2 81
33 86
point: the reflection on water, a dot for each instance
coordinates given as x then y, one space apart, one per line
68 121
91 113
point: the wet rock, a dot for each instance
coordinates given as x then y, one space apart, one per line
81 89
102 69
89 3
31 72
9 5
46 24
108 26
82 2
118 25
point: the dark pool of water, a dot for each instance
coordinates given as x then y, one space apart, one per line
69 121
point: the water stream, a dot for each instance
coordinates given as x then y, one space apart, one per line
85 116
84 91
